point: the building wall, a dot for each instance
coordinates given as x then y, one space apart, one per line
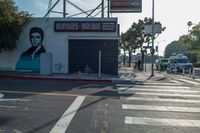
54 42
84 56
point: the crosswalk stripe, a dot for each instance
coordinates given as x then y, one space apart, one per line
162 122
177 82
161 108
188 81
159 99
161 94
164 84
157 86
157 90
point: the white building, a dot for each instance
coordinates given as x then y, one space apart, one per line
74 44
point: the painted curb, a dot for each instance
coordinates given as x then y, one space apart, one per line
57 79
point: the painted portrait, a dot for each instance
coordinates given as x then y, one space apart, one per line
30 59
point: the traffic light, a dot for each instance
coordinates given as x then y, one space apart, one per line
156 48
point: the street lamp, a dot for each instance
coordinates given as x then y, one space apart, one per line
189 24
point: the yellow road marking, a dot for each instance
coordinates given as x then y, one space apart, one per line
42 93
55 94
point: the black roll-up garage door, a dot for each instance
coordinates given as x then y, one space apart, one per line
84 55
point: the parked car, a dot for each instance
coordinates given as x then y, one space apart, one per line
161 63
179 62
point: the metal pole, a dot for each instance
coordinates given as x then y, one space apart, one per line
108 8
99 64
102 9
152 49
64 8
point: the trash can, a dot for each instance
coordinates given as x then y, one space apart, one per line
46 62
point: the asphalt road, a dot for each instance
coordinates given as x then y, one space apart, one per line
32 106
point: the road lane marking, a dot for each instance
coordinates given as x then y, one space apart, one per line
162 122
165 87
43 93
177 82
161 94
161 108
158 90
159 99
191 82
14 99
164 84
2 106
63 123
57 94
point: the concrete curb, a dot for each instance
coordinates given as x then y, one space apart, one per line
56 79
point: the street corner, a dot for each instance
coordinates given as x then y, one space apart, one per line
158 78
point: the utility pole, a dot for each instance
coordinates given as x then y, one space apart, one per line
152 48
102 9
108 8
64 8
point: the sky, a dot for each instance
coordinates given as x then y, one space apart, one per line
173 14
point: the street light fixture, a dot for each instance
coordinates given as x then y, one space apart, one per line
189 24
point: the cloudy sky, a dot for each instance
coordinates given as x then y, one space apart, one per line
173 14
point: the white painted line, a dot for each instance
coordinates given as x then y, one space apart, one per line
162 122
124 85
158 90
2 106
165 87
162 94
164 84
188 81
9 100
177 82
159 99
161 108
63 123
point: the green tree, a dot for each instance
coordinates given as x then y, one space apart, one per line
124 46
136 37
11 20
191 43
174 48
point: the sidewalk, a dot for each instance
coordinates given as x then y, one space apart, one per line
126 76
82 77
142 76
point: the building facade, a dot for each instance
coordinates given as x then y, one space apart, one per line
74 44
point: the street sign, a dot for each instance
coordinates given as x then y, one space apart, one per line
157 29
146 47
125 6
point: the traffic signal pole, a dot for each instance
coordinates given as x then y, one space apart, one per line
152 48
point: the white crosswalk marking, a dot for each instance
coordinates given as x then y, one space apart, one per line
170 97
162 94
188 81
162 122
177 82
164 87
161 108
164 84
159 99
158 90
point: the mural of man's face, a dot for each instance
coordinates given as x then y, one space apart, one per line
36 39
